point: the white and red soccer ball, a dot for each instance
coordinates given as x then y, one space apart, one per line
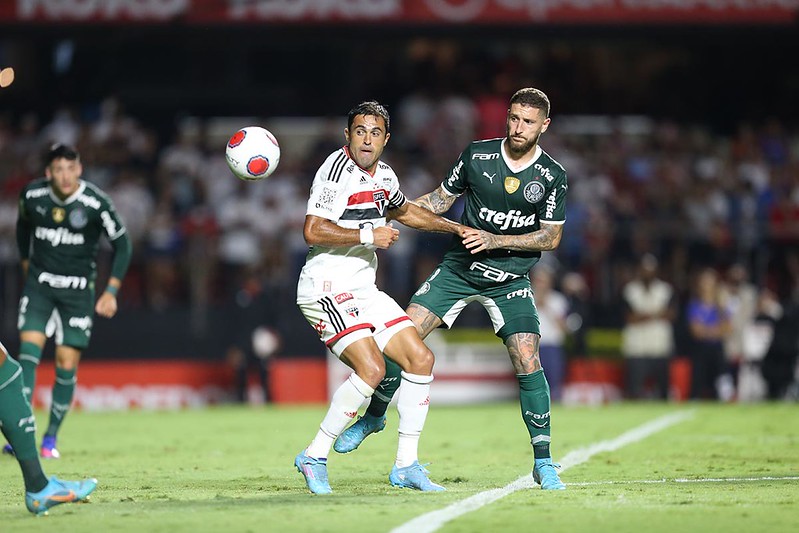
252 153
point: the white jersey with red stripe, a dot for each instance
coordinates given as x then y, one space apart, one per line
352 198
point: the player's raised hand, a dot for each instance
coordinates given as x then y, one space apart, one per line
385 236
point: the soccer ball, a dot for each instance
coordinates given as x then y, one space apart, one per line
252 153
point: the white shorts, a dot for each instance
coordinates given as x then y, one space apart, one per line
343 318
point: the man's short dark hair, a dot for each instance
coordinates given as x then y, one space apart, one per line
371 107
531 97
60 151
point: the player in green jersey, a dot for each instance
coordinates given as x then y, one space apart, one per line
19 427
516 199
61 220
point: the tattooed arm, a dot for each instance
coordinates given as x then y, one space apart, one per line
438 201
546 238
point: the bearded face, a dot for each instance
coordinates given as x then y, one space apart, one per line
524 127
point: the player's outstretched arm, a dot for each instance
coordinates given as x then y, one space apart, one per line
545 239
319 231
420 218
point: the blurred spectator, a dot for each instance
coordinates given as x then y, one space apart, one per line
579 319
64 128
648 333
757 337
162 246
240 216
553 309
201 232
780 364
133 201
254 338
709 326
741 298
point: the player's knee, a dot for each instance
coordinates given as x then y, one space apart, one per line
67 359
372 371
421 360
67 364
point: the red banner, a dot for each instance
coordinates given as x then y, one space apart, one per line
511 12
119 385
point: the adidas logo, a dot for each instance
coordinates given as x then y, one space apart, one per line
426 401
352 414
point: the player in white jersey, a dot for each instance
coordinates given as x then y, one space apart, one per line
345 223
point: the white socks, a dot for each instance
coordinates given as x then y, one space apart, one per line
347 399
413 403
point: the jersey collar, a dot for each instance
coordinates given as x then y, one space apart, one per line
69 199
536 155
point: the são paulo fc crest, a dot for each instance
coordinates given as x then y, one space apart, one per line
380 200
511 184
533 192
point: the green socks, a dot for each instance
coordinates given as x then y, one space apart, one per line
19 426
63 392
29 357
378 404
534 400
533 396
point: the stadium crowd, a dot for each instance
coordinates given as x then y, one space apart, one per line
693 198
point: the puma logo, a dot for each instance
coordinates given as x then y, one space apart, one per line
490 177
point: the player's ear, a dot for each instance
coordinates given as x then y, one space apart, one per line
47 173
546 125
347 135
385 142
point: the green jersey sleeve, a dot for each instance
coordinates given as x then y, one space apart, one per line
554 209
118 236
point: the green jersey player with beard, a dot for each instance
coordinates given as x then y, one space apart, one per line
515 199
60 223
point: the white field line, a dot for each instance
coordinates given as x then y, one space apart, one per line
432 521
686 480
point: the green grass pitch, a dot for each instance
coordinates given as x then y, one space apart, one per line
726 468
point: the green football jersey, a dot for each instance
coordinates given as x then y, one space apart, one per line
65 234
504 202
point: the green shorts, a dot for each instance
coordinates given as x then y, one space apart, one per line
510 304
59 305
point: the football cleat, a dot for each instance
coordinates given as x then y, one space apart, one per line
314 471
49 450
544 474
413 477
8 450
353 436
57 492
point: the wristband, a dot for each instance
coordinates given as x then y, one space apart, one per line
367 236
112 290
